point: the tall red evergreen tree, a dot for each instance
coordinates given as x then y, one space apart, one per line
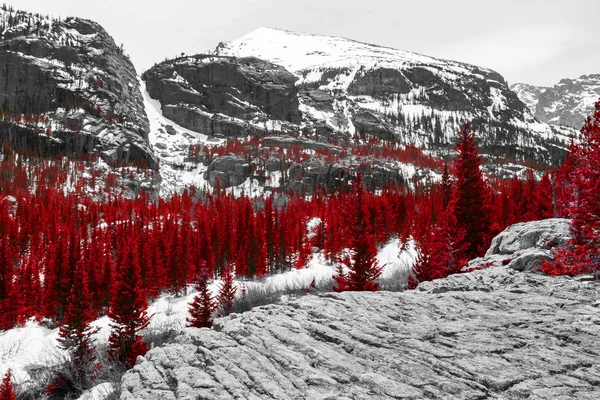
7 268
471 207
441 252
361 263
6 388
227 292
128 309
75 334
564 187
583 253
202 307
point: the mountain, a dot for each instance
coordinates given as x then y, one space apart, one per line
529 94
332 88
567 103
69 90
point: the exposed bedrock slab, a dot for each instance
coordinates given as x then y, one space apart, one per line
490 334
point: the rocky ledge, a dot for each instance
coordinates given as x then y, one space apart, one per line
489 334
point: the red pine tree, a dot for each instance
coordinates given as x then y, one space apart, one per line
6 388
340 278
75 334
361 263
226 293
7 267
202 307
582 255
470 195
441 252
128 309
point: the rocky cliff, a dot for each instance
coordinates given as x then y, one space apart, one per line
66 88
224 96
568 103
495 333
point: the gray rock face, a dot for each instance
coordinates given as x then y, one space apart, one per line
491 334
315 173
72 72
229 171
524 246
217 95
529 94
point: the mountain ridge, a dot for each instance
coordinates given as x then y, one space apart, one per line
345 89
566 103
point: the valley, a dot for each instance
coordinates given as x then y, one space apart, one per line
290 215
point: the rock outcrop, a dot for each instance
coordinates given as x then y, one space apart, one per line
524 246
489 334
68 89
311 174
224 95
228 171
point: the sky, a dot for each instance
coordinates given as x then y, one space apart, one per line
530 41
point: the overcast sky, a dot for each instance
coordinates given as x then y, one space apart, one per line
531 41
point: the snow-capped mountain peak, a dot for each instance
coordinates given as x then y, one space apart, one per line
299 51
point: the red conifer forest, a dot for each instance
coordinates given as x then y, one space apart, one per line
66 258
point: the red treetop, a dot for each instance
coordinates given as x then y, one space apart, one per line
361 263
6 388
202 307
470 198
583 253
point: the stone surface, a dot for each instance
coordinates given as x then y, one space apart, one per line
228 170
490 334
524 246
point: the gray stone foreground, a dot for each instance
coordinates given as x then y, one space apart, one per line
489 334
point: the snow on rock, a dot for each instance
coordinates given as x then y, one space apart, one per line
347 86
567 103
299 51
171 143
524 246
487 334
100 392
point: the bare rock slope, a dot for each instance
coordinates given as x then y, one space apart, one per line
490 334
